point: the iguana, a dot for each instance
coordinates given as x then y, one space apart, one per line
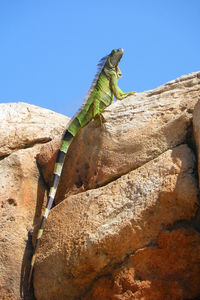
100 95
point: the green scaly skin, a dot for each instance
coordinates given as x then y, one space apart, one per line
100 96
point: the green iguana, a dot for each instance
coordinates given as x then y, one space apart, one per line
103 89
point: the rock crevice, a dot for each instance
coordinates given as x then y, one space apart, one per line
126 222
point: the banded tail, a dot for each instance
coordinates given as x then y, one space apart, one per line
100 95
79 120
68 136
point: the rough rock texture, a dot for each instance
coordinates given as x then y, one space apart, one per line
21 188
24 125
167 270
136 130
134 238
196 125
21 191
88 234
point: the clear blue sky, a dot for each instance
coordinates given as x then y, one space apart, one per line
49 49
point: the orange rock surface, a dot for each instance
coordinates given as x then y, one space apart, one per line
137 130
168 270
88 234
126 222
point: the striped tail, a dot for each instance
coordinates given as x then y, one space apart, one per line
66 141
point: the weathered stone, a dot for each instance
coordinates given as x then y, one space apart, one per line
196 126
22 190
21 196
88 234
168 270
24 125
136 130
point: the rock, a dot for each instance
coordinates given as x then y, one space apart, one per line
136 130
22 191
167 270
21 196
88 234
109 230
196 126
24 125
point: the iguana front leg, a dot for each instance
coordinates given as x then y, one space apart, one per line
116 90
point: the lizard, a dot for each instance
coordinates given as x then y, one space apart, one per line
100 95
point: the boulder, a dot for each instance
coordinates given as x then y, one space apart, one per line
167 270
136 130
24 125
24 128
138 190
196 126
21 196
89 234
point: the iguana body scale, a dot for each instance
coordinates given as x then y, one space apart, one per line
100 96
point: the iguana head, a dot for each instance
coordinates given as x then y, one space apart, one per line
114 57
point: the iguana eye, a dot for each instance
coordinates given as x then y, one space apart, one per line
121 50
